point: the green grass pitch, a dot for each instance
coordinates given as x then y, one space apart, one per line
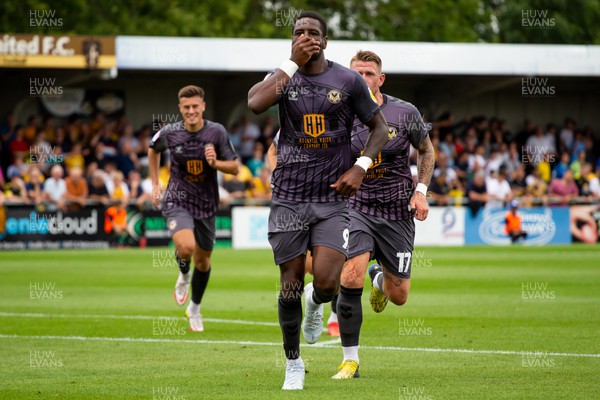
480 323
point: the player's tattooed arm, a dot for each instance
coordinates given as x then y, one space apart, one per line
425 161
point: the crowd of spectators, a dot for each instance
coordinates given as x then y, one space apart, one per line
65 164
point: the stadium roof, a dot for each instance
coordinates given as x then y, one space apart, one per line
256 55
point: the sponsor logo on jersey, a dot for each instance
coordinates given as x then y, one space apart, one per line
314 124
334 96
194 167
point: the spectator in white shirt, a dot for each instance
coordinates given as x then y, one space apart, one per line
55 187
536 146
477 160
566 135
498 188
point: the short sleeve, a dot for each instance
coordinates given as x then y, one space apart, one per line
159 141
363 103
417 130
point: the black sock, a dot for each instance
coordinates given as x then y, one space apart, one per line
199 282
290 317
184 265
350 315
334 304
320 298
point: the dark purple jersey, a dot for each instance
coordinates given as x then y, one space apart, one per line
316 113
193 183
388 184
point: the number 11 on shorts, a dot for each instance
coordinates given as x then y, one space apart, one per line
404 262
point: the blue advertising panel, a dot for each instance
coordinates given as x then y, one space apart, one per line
544 225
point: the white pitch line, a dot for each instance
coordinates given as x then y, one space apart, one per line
326 343
271 344
142 317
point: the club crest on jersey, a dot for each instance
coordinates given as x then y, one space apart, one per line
334 96
172 224
392 132
178 148
293 94
194 167
314 124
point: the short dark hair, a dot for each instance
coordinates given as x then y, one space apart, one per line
191 91
313 15
367 56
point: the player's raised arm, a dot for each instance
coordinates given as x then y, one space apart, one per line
266 93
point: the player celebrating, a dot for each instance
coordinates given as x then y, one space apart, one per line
381 220
198 148
318 100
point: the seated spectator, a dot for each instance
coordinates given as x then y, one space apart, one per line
494 162
562 166
536 147
439 189
75 157
545 170
442 165
477 193
448 147
586 181
462 166
576 164
517 181
536 188
55 188
19 146
35 186
97 189
550 136
18 167
511 157
15 191
594 185
117 188
565 189
77 190
498 188
255 164
456 192
477 159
